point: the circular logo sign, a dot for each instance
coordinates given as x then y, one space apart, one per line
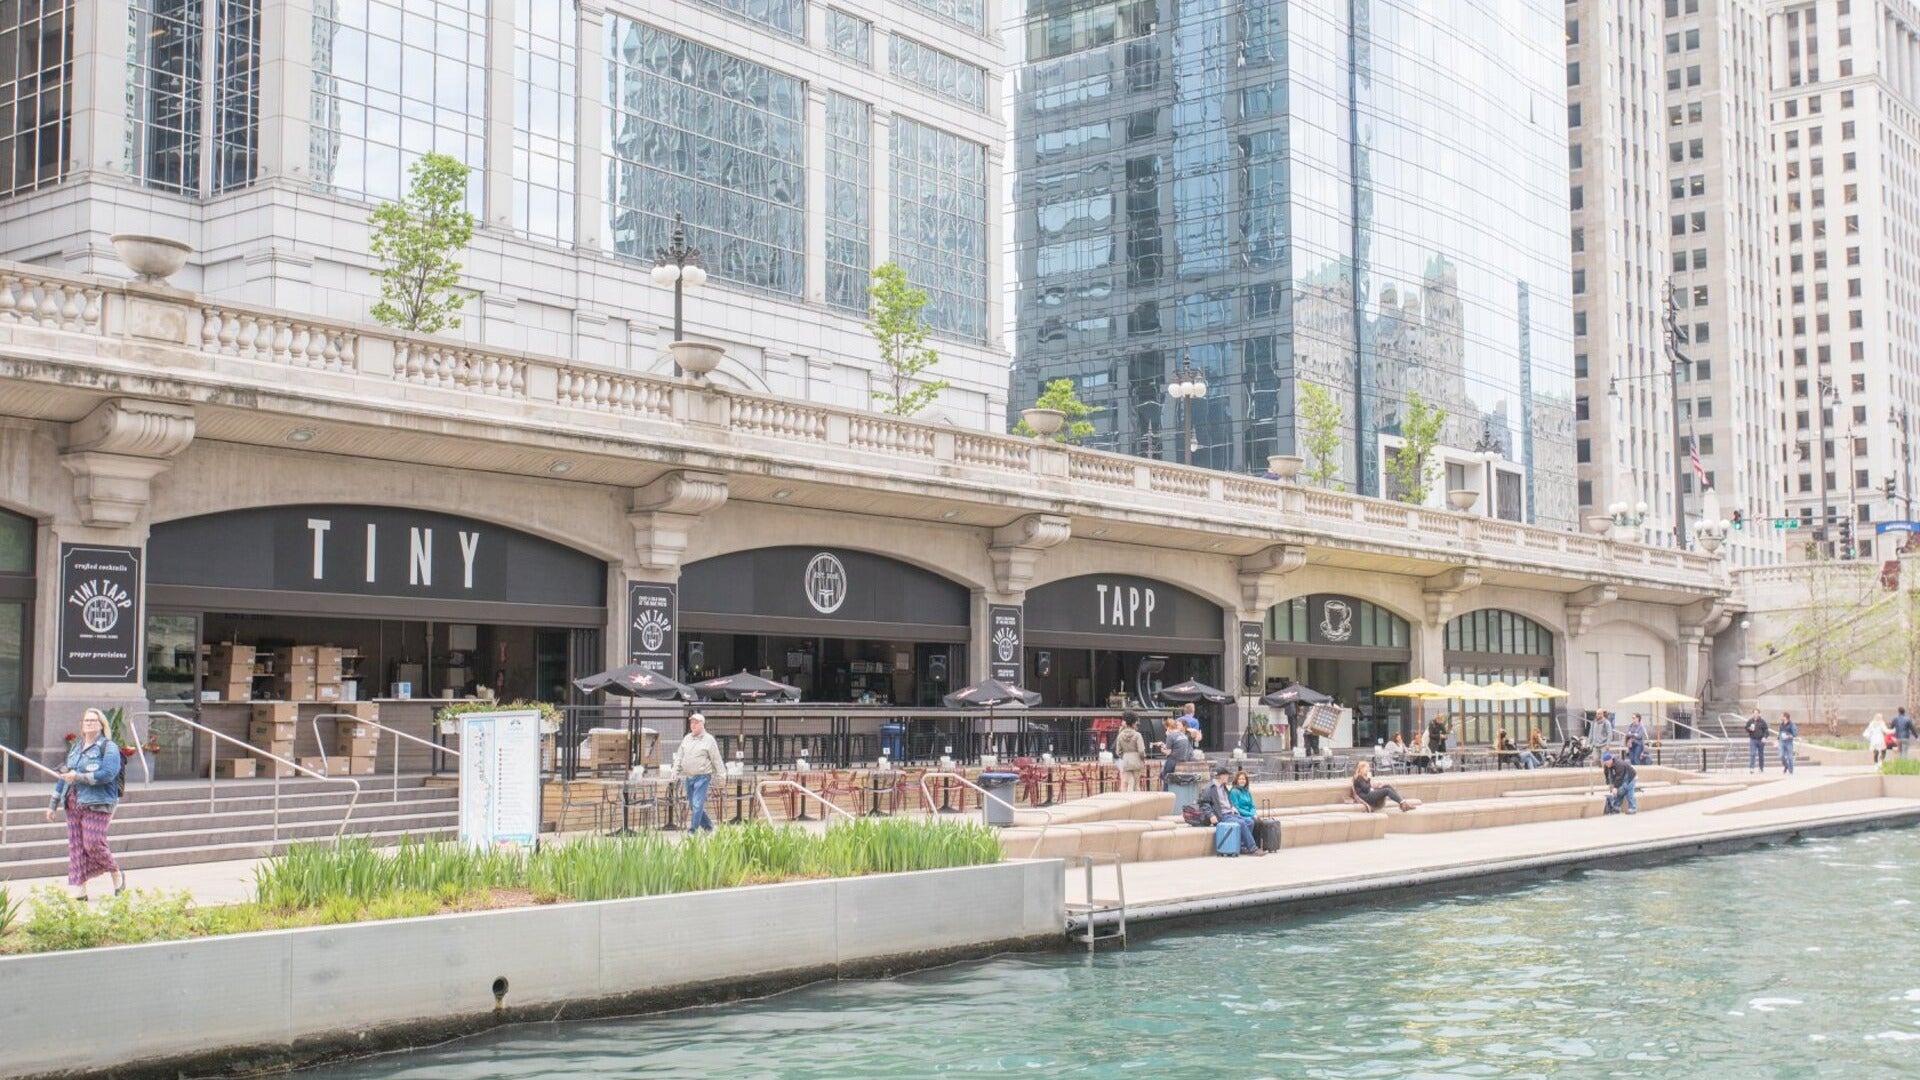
826 583
100 614
1005 641
652 626
1253 652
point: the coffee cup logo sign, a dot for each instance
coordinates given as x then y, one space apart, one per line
826 583
100 615
1336 621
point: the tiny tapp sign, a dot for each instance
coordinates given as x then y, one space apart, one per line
99 613
652 624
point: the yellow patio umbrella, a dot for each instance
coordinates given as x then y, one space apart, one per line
1421 691
1540 690
1661 696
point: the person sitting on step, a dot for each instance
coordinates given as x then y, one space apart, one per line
1216 802
1373 798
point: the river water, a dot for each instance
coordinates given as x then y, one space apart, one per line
1794 961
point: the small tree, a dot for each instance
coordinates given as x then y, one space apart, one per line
901 332
1848 623
1060 395
415 240
1411 464
1320 422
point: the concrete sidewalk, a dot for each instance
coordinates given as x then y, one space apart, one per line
1172 888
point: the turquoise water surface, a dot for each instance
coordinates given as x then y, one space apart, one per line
1794 961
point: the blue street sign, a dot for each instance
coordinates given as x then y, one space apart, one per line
1896 526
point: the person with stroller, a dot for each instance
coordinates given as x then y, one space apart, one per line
1373 798
1620 775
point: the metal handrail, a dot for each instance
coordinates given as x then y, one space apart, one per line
395 732
5 801
141 746
927 792
1092 907
1704 737
214 759
760 797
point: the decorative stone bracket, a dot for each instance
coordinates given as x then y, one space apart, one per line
1262 574
115 451
1703 619
664 513
1582 605
1442 591
1018 545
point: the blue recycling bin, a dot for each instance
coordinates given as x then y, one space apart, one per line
1001 786
893 741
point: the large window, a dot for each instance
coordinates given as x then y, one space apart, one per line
163 94
1336 620
948 76
545 58
849 206
970 14
788 17
392 80
1499 646
236 94
36 86
939 201
697 132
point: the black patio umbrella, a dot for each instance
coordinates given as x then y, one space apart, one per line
635 681
1194 691
990 694
1296 694
744 686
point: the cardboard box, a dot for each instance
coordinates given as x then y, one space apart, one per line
326 656
362 766
281 749
365 710
298 675
231 654
296 691
351 729
282 732
297 656
276 770
331 766
326 691
355 747
275 712
235 768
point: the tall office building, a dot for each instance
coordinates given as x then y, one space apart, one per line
803 143
1361 194
1845 106
1617 165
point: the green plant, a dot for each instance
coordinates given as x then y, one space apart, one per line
9 910
1320 422
1838 744
1411 465
1060 394
415 240
1900 767
547 710
901 331
1260 725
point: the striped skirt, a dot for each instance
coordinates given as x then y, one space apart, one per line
87 854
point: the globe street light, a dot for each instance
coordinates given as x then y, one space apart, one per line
679 266
1188 384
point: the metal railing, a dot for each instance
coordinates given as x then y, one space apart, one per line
760 797
213 762
395 732
1093 907
927 793
6 807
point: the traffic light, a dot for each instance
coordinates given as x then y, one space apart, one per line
1739 519
1846 538
1890 485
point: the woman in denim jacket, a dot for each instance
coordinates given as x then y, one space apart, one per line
89 788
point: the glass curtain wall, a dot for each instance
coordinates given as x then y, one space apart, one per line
939 201
178 51
36 93
545 67
849 206
718 139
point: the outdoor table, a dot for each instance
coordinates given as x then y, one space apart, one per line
743 785
1048 776
946 791
795 799
879 781
668 792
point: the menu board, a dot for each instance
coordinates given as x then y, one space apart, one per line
499 778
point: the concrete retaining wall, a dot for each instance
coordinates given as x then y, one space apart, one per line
293 995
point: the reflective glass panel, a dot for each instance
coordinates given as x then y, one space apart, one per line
849 201
163 94
970 14
939 220
850 36
236 94
36 93
948 76
788 17
545 66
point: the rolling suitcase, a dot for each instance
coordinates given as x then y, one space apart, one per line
1226 838
1267 832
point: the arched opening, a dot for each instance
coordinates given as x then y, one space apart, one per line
16 626
1491 645
1112 639
1345 647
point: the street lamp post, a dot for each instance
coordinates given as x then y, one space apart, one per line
1675 361
679 266
1490 451
1188 384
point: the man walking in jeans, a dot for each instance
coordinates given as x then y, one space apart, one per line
1902 729
1756 742
698 762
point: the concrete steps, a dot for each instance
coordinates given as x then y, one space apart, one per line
169 824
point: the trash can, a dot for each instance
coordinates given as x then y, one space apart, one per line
1000 785
893 741
1185 788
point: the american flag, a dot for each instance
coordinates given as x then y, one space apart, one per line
1693 454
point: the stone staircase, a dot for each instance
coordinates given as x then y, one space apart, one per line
169 823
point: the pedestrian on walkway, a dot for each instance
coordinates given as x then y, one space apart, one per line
1789 731
1756 742
698 762
88 790
1130 751
1902 730
1637 741
1876 735
1620 775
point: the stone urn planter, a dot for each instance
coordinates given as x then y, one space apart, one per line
1285 466
1462 499
696 359
1599 523
153 259
1046 423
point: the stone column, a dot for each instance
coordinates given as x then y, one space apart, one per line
286 90
498 167
99 90
589 112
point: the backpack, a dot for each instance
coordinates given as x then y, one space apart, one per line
1193 815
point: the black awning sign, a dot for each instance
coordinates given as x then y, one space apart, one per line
99 613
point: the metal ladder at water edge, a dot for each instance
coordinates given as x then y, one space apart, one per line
1094 907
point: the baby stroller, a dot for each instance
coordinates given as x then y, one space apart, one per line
1573 753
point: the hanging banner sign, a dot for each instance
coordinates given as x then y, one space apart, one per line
653 623
99 613
1006 652
1253 655
499 778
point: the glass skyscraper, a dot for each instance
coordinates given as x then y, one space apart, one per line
1369 195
